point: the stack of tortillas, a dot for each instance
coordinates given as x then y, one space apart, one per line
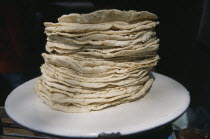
98 60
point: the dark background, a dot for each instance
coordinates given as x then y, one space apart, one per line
183 33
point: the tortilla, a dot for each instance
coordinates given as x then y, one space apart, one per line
102 27
98 60
77 108
102 16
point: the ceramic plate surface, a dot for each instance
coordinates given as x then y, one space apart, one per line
166 101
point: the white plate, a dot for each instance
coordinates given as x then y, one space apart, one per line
166 101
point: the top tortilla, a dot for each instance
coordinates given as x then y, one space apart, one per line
112 15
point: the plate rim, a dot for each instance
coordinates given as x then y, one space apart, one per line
96 135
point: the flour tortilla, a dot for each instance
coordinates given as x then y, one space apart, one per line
78 91
90 94
63 48
88 91
141 52
63 98
91 42
70 75
102 75
60 42
49 24
74 83
80 108
102 27
102 16
87 62
98 37
106 32
98 60
82 66
112 93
